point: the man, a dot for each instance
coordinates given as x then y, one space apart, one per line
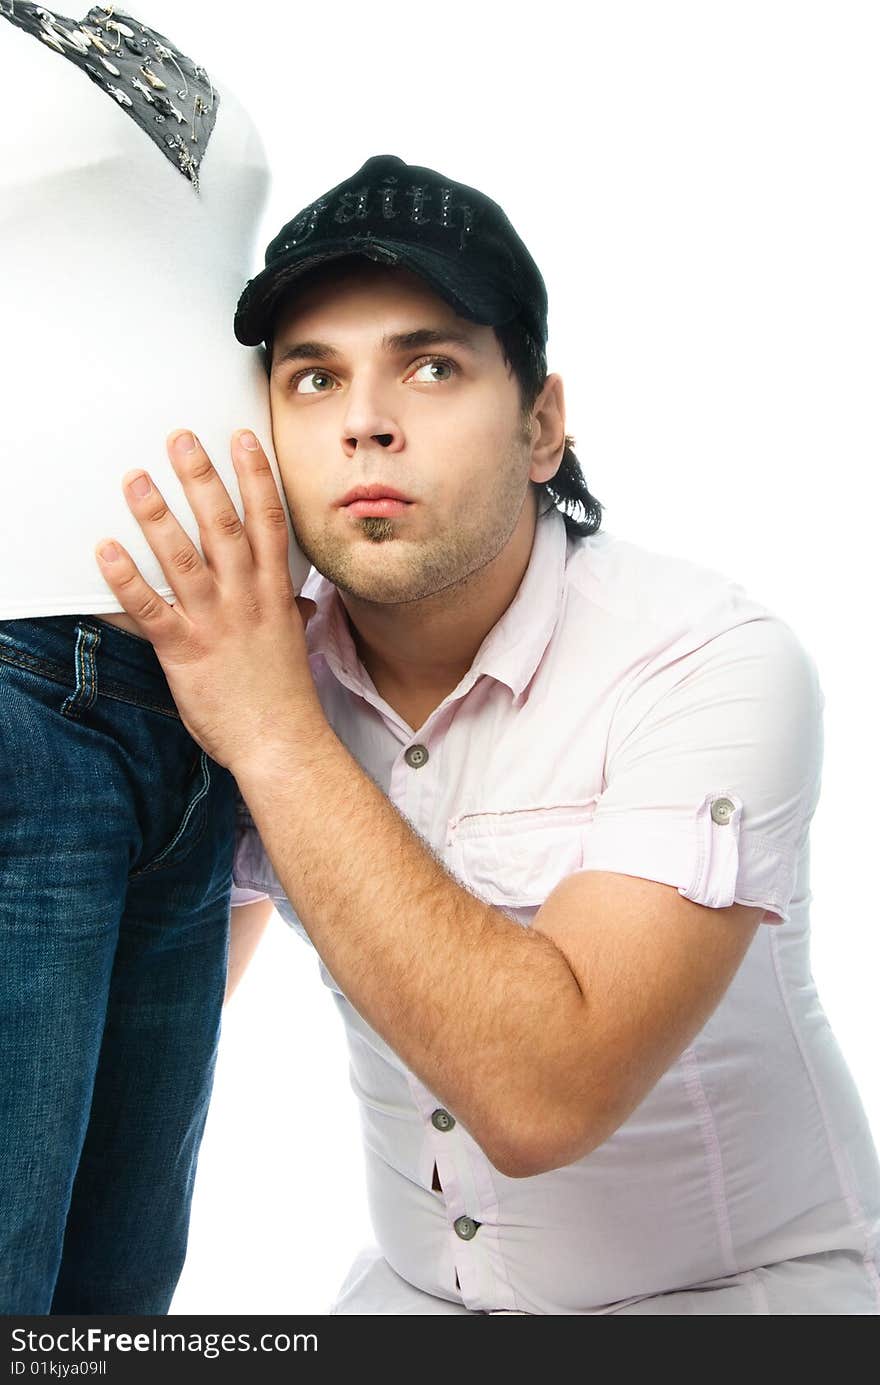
540 800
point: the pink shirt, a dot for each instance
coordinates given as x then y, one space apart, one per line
633 712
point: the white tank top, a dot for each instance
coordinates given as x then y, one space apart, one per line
121 262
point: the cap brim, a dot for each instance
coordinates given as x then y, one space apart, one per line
472 294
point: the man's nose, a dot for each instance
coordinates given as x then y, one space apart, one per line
383 439
367 422
383 433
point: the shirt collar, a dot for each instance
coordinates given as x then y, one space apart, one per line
512 649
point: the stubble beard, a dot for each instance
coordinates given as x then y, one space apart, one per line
377 528
435 567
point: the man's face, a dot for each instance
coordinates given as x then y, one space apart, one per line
438 422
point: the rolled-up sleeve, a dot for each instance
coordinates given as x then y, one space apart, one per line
713 769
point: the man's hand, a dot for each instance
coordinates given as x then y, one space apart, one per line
233 646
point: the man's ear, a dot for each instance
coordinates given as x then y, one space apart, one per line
548 430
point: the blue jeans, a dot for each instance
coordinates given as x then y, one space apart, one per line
116 845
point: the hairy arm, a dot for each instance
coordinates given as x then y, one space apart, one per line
540 1039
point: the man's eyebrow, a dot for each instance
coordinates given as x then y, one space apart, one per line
395 344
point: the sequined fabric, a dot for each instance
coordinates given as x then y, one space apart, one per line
163 91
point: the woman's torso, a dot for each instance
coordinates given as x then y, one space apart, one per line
117 306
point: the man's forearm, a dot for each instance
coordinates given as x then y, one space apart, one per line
479 1008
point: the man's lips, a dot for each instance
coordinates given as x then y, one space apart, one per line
376 499
376 491
384 506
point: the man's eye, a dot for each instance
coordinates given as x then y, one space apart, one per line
304 375
433 362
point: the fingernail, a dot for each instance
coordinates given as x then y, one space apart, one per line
109 552
185 442
140 486
248 440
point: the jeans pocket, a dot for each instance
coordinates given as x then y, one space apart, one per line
191 826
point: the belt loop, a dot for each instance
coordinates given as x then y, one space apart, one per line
87 640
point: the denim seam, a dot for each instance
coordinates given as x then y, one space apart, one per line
109 687
86 689
161 859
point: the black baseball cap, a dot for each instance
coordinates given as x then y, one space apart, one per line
396 213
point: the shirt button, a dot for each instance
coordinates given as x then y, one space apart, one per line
441 1120
466 1228
721 810
416 756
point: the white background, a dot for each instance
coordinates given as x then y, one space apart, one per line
698 183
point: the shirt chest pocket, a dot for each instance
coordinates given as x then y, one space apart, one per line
515 858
